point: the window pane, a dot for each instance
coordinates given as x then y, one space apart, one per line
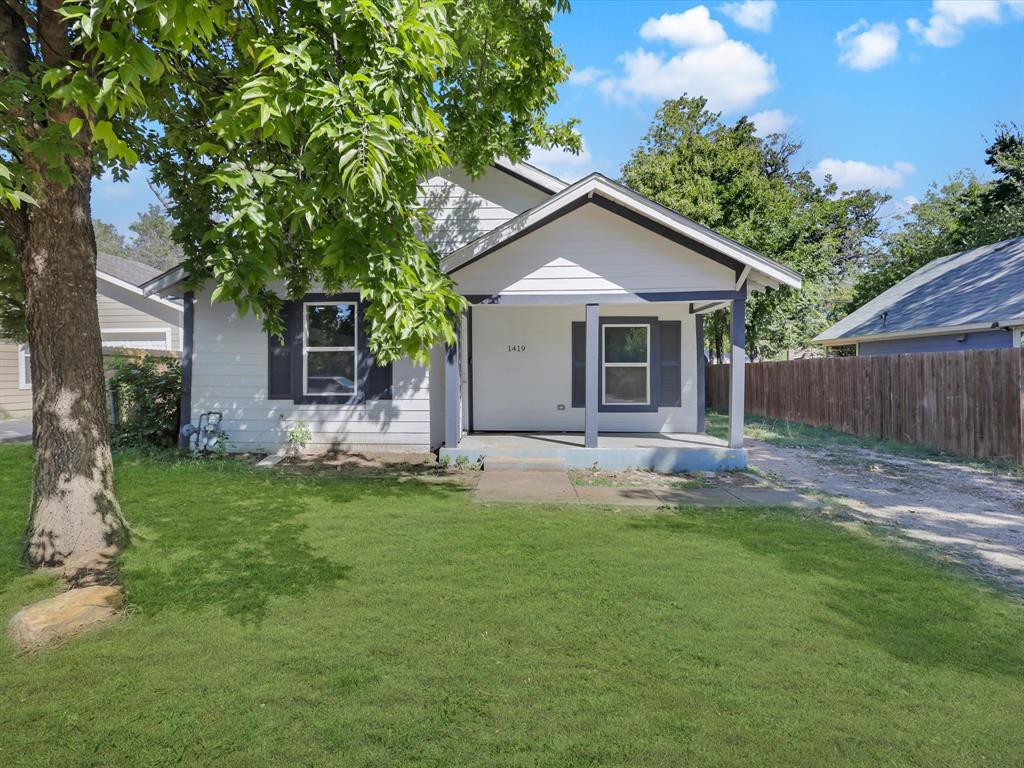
625 345
625 385
330 373
331 325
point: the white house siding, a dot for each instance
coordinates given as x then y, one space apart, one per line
514 391
592 250
229 374
464 209
121 309
15 403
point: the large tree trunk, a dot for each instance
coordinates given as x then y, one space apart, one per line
74 510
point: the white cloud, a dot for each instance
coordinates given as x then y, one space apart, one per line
691 28
563 164
752 14
946 25
585 76
771 121
732 76
856 174
866 47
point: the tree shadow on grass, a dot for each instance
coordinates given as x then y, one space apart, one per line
897 600
236 539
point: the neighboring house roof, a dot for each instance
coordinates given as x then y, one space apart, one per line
129 271
130 275
967 291
599 189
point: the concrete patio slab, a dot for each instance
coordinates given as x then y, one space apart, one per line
603 494
775 497
526 485
697 497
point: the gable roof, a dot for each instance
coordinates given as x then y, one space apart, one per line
129 271
970 290
599 189
531 175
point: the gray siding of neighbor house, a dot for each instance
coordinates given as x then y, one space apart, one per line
998 339
15 403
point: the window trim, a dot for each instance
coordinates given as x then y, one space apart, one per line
354 349
24 367
605 364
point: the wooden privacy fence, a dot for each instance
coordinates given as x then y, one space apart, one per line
970 403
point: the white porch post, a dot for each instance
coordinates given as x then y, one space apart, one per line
737 336
591 389
452 392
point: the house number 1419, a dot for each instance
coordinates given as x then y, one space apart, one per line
516 347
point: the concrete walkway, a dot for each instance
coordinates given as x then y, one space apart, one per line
17 431
547 481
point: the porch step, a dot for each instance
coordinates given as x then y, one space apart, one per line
524 463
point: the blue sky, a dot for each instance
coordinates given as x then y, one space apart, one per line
888 95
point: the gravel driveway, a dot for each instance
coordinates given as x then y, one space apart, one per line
972 515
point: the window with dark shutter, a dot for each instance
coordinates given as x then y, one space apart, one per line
579 365
671 364
279 378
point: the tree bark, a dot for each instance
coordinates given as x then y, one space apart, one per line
73 510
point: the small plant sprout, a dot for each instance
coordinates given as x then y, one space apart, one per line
298 436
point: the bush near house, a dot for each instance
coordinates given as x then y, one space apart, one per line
146 400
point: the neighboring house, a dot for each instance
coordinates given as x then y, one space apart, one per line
127 319
968 300
587 305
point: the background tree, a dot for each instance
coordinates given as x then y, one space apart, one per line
291 137
153 243
727 178
109 239
964 213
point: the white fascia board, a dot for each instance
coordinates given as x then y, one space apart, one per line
161 283
532 175
137 290
940 330
601 185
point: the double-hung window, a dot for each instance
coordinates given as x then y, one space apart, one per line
24 367
329 332
627 364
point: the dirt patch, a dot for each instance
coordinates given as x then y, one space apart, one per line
423 466
972 515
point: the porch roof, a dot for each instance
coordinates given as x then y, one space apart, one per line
598 189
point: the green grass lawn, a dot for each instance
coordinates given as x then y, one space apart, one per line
321 620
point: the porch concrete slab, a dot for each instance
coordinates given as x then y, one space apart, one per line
614 452
603 494
16 431
542 486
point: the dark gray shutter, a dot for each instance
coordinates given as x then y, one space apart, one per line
279 375
376 379
579 365
671 363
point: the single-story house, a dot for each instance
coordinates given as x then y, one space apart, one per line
583 338
968 300
127 319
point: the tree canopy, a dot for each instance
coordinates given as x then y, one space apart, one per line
726 177
965 212
152 244
291 137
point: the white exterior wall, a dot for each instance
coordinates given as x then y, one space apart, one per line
464 208
229 374
592 250
515 391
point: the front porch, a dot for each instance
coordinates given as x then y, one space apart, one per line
690 452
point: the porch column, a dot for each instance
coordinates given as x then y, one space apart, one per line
737 336
452 385
591 392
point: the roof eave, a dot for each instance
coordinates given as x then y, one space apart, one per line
165 280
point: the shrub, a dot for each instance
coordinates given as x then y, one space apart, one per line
146 394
